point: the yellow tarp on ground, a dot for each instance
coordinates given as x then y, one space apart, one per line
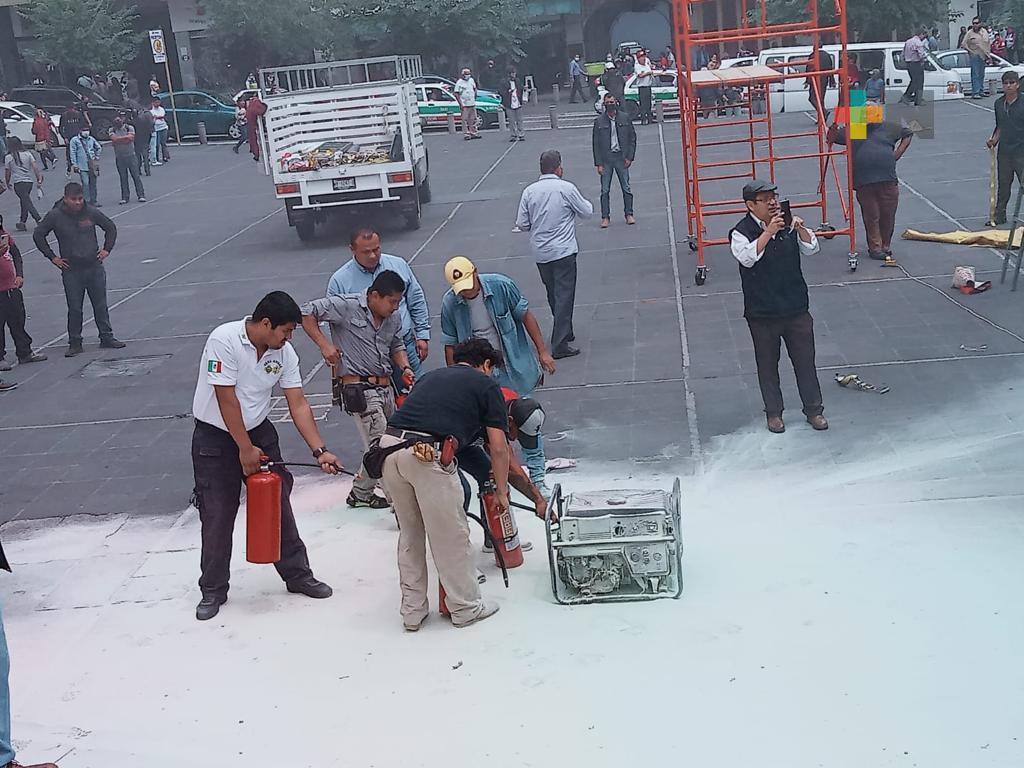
992 238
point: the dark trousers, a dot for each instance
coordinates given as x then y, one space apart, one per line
798 333
218 477
128 165
142 157
78 282
241 140
1008 166
12 316
816 90
878 204
559 278
23 189
474 461
646 103
615 166
915 89
577 88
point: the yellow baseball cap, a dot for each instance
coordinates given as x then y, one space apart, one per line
459 272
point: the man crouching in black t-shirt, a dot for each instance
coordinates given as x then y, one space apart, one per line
462 401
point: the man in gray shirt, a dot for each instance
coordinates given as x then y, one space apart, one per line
548 211
366 337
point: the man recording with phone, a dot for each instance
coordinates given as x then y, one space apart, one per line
768 243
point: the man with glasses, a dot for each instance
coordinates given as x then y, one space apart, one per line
775 301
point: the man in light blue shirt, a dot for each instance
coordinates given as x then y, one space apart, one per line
358 274
492 307
548 211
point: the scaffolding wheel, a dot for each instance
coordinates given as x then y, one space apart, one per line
825 229
701 276
852 258
692 243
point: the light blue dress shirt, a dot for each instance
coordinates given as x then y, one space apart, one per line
352 278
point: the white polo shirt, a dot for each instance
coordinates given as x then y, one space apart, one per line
229 359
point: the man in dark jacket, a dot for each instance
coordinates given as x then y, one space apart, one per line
614 82
775 300
511 91
80 262
71 123
614 150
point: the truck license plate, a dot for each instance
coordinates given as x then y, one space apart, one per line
340 185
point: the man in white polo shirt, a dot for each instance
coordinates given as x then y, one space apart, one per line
242 362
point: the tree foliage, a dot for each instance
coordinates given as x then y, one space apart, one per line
82 35
872 19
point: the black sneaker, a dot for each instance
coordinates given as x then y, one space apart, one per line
209 607
72 350
7 386
20 226
310 587
112 344
374 502
565 351
35 357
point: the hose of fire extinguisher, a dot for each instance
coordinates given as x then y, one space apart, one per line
268 464
490 540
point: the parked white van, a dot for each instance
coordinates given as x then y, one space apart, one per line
940 84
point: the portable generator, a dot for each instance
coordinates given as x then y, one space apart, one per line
614 546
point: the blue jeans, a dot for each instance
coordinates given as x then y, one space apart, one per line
89 185
534 460
615 166
6 750
977 75
78 282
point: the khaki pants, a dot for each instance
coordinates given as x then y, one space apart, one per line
469 121
428 502
380 406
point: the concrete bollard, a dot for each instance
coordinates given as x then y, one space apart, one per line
659 111
553 116
502 120
451 122
201 130
535 96
555 92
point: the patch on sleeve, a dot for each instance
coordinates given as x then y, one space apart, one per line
213 366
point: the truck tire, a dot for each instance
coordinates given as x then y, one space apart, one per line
305 227
412 211
425 193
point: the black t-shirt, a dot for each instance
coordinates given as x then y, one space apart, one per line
457 400
1010 122
874 158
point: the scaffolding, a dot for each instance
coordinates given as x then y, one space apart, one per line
760 137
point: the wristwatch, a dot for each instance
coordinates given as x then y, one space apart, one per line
318 452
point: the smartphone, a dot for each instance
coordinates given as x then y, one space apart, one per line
787 213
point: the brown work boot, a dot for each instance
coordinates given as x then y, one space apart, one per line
630 219
776 425
819 422
605 223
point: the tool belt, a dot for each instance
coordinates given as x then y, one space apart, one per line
426 448
352 392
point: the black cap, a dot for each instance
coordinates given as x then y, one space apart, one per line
528 417
753 188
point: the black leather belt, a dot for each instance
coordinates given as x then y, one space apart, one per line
405 434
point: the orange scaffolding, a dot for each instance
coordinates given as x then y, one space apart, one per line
754 82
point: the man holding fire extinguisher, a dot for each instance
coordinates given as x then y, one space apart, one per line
241 363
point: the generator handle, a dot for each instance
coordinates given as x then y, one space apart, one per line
554 503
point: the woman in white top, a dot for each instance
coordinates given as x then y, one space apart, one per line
22 172
159 140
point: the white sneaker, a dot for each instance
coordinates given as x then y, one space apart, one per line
156 163
526 546
414 627
488 610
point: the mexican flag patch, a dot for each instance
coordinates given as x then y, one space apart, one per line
213 366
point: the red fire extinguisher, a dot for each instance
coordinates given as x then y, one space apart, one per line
263 516
502 526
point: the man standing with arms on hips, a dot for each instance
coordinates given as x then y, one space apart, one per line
492 307
614 144
357 274
1008 136
463 402
465 93
512 100
242 362
775 300
915 51
644 80
547 210
979 48
366 330
81 262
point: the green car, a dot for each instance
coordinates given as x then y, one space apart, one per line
194 107
436 102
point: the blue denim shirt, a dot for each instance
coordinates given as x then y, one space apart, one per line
352 278
507 308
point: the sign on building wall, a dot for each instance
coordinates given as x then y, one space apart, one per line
188 15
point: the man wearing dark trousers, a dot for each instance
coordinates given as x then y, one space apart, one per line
12 304
242 362
81 262
547 210
1009 137
614 144
915 53
775 300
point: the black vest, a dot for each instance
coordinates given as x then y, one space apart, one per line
774 286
